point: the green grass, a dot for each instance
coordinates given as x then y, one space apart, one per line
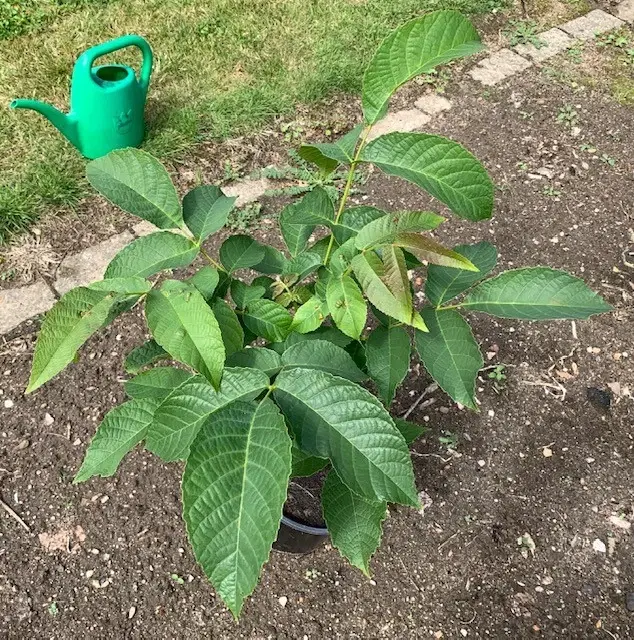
222 68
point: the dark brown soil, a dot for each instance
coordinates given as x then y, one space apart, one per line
534 464
304 500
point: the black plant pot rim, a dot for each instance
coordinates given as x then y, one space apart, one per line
304 528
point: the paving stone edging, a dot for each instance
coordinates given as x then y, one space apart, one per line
22 303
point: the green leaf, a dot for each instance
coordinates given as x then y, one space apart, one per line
329 155
354 523
73 319
240 252
409 430
334 418
395 274
536 293
445 283
119 432
128 286
314 208
148 255
146 354
205 210
346 305
260 358
268 319
305 465
331 334
321 247
243 294
183 324
234 488
138 183
416 47
273 262
384 230
206 280
342 257
369 271
322 356
230 327
310 315
450 354
294 229
388 353
440 166
303 265
178 418
353 220
426 249
156 383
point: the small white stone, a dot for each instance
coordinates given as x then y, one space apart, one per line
621 523
283 601
48 419
8 404
547 452
491 413
131 613
482 463
599 546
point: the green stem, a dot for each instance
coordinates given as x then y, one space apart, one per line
211 261
450 306
347 188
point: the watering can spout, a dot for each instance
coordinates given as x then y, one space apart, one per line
66 124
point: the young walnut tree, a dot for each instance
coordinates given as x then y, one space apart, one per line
246 419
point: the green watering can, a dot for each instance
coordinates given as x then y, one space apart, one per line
106 102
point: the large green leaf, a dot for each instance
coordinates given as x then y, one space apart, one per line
340 261
205 210
294 229
146 354
156 383
409 430
331 334
414 48
426 249
450 353
445 283
234 488
388 352
206 280
230 327
314 208
353 220
322 356
329 155
273 261
304 464
536 293
73 319
148 255
130 286
268 320
260 358
354 523
384 230
119 432
346 305
337 419
178 418
138 183
440 166
303 264
310 315
369 271
240 252
183 324
395 274
244 294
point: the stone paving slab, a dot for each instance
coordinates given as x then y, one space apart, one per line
247 190
18 305
625 10
89 265
555 42
405 120
433 104
499 66
588 26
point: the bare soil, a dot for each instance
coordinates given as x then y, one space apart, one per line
539 462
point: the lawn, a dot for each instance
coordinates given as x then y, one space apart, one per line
221 68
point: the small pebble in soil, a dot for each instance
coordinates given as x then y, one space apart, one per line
620 522
8 404
599 546
547 452
48 419
283 600
131 613
482 463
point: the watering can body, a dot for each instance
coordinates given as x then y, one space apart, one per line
106 102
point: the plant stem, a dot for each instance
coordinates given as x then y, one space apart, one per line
211 261
347 188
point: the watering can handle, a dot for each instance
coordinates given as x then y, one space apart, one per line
87 59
